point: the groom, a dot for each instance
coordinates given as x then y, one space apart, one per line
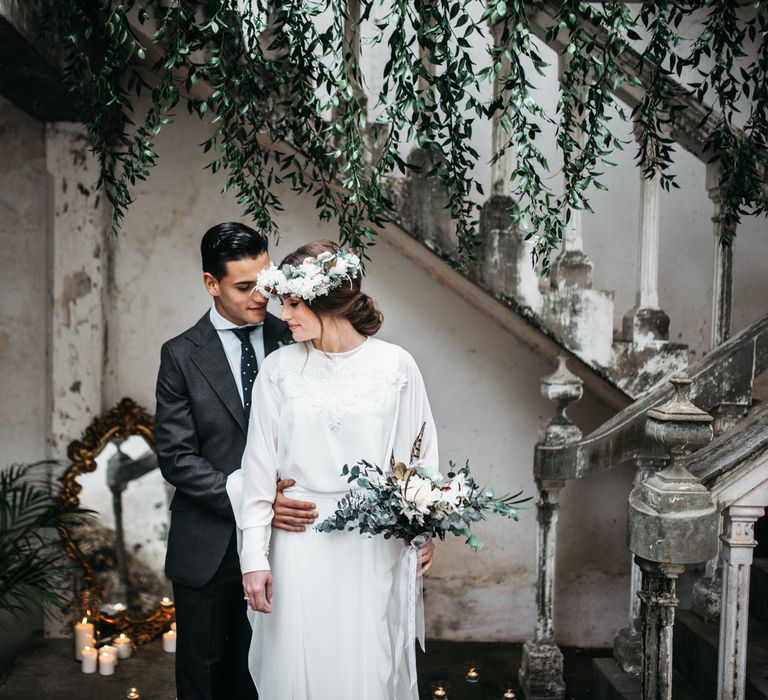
203 403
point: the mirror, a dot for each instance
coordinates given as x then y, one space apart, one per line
120 543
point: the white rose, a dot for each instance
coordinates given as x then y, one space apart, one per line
420 492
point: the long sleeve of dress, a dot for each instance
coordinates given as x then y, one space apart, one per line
414 413
260 469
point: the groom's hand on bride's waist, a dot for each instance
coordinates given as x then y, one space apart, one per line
290 514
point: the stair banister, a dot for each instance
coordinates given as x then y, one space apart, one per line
725 375
672 521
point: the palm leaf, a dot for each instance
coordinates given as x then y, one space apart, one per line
33 569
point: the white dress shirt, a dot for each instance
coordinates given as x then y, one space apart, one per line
232 347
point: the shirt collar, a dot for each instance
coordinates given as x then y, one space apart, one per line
221 324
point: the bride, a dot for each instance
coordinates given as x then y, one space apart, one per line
326 625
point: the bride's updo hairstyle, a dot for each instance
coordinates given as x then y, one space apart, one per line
346 300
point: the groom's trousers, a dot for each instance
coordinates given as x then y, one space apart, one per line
214 636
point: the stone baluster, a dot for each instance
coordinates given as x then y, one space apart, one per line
672 521
726 414
722 287
352 41
572 268
352 57
541 671
738 544
646 322
502 168
504 262
627 645
707 591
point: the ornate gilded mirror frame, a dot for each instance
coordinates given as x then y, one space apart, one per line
124 420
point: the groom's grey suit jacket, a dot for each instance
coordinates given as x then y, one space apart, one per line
200 439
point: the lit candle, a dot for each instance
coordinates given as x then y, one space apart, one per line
439 690
509 694
110 650
124 646
107 663
166 602
83 637
473 675
173 626
133 694
169 641
89 657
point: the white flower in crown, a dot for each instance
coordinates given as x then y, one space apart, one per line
311 278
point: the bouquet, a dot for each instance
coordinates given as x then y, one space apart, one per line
411 503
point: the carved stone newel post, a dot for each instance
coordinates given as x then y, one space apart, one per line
673 521
541 672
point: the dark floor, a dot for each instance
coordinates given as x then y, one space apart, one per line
47 670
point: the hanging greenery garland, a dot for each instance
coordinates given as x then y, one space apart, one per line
281 83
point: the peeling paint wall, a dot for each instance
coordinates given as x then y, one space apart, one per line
78 225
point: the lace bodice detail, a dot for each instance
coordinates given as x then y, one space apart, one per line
337 388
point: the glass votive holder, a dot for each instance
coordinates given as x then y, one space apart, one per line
471 672
440 690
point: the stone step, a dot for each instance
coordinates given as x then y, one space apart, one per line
758 590
695 655
609 682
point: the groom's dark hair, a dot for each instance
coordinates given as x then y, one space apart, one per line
229 241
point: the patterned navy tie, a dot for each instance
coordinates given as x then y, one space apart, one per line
249 367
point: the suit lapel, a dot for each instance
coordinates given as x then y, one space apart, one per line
210 359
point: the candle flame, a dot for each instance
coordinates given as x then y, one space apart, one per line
85 620
122 636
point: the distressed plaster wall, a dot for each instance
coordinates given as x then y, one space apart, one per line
484 389
23 314
24 301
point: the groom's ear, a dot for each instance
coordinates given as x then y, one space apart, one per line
211 284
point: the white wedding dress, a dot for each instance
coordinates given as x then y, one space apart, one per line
336 629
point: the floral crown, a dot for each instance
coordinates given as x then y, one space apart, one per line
311 278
